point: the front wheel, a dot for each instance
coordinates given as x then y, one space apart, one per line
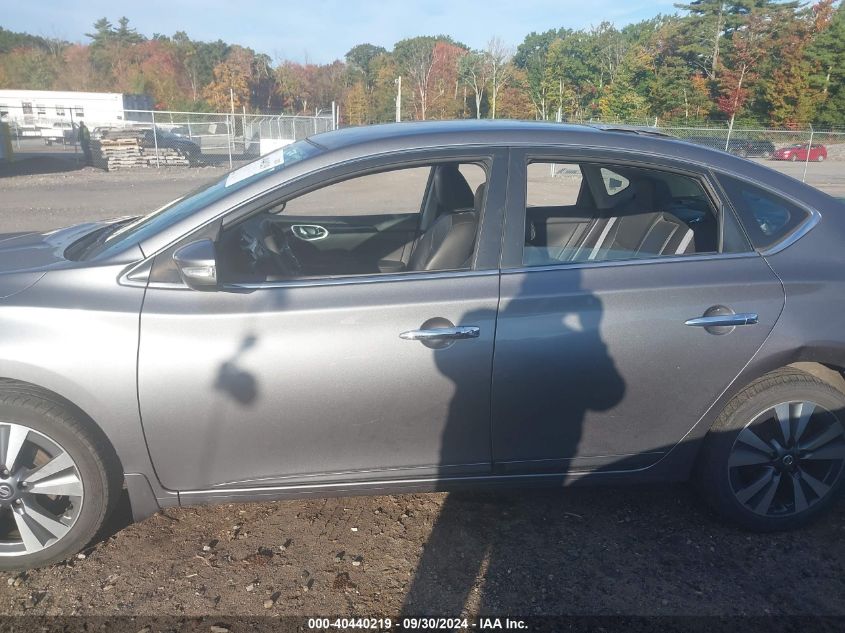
774 459
820 158
58 480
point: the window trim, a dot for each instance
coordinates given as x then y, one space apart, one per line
521 156
491 220
809 223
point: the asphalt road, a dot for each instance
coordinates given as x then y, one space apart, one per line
633 551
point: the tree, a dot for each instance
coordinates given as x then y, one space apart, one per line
290 80
790 98
476 71
383 96
530 57
501 70
446 99
748 47
356 106
702 32
416 60
571 80
28 69
360 61
826 55
232 78
513 101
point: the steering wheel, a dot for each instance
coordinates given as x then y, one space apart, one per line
268 249
276 240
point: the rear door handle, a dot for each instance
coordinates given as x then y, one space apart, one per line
723 320
439 333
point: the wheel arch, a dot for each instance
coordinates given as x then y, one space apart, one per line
824 361
142 498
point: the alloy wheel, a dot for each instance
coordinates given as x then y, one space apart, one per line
787 459
41 491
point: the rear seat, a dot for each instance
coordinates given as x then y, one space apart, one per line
634 230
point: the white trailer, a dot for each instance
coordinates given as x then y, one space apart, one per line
40 109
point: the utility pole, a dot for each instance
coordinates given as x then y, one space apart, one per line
398 82
231 128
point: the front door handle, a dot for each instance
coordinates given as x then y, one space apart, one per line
723 320
310 232
439 333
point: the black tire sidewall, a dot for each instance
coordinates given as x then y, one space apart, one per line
714 476
54 423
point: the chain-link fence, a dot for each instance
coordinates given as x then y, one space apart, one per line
163 138
155 138
807 145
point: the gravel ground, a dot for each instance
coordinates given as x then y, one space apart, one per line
601 551
633 551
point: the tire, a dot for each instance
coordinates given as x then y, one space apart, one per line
767 154
820 158
93 462
793 158
728 484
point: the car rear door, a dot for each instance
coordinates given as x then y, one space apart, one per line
606 364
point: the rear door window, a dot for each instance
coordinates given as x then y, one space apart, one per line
766 217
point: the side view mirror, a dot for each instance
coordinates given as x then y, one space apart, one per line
197 264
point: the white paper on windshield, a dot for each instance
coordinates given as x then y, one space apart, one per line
265 163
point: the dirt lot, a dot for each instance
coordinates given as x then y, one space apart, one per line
643 550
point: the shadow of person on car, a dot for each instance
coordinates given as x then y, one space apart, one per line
234 381
540 398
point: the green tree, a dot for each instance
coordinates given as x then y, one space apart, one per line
530 57
360 61
826 55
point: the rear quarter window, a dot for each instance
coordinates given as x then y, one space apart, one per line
766 217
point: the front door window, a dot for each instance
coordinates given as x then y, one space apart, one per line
414 219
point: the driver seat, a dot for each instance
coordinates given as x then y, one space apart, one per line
449 241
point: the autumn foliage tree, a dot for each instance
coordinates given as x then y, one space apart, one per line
773 62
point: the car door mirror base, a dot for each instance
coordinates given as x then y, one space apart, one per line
197 265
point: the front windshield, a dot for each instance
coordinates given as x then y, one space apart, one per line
146 226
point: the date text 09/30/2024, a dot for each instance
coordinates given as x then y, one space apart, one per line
419 623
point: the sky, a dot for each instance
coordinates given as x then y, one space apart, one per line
321 31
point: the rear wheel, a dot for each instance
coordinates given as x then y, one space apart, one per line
58 480
820 158
775 457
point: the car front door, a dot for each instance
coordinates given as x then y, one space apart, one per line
307 382
602 359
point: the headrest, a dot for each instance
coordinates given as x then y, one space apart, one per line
451 188
479 196
644 191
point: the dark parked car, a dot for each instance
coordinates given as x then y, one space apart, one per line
817 153
164 139
429 306
751 148
744 147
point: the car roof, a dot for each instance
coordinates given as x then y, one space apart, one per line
389 137
428 134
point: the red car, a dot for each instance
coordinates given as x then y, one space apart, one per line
818 153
